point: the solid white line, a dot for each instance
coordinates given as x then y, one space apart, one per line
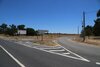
98 63
18 62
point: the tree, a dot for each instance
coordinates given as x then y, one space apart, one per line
12 30
98 13
96 28
21 27
3 28
31 32
1 31
8 32
88 30
82 34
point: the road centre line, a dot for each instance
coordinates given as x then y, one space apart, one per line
18 62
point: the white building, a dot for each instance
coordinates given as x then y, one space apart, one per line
42 31
21 32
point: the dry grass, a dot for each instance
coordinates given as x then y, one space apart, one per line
47 39
89 41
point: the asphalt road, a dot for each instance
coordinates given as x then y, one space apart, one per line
6 60
32 57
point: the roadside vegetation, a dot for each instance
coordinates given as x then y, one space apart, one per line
93 30
92 33
12 30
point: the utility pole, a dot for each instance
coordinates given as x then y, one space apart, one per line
83 26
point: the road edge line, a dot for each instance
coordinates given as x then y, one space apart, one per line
18 62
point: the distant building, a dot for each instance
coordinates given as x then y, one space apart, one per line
42 31
21 32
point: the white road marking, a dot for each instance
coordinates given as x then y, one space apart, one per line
57 50
52 47
27 42
63 55
81 58
78 57
98 63
18 62
66 53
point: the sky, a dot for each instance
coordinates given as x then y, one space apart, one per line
57 16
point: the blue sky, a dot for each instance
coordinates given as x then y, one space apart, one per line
62 16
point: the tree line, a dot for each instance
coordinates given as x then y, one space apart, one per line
12 29
93 30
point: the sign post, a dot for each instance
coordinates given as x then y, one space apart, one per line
42 32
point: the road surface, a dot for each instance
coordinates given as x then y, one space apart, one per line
69 54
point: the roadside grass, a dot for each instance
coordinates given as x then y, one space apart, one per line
45 40
89 41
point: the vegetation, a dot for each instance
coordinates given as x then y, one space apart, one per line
88 30
95 30
21 27
3 28
12 29
98 13
31 31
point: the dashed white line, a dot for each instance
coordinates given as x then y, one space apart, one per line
98 63
18 62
